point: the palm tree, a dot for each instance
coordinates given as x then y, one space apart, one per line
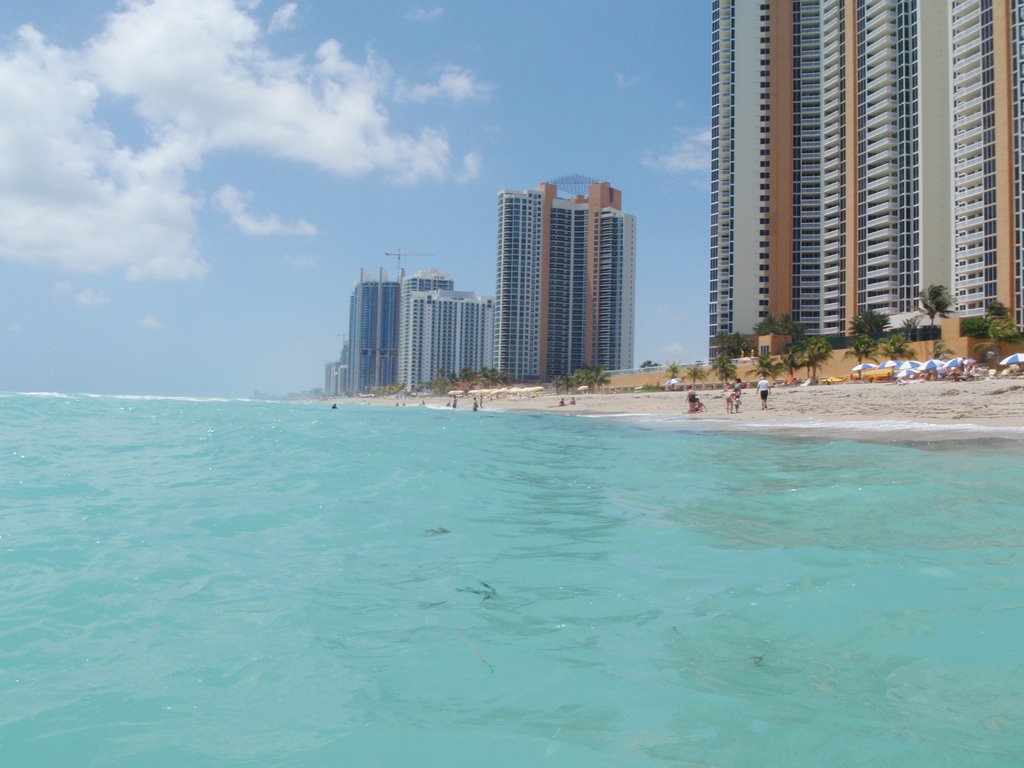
695 373
996 310
868 321
936 301
792 359
1000 330
581 377
895 347
787 326
724 367
767 324
862 348
672 369
768 367
562 383
468 376
816 352
940 350
731 344
910 325
600 377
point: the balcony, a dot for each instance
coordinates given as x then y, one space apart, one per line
963 179
963 211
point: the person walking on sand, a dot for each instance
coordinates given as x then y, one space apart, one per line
762 390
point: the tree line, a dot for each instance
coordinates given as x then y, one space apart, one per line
995 327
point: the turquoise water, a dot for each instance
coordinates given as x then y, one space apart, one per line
215 583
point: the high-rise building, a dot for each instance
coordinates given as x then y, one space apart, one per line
442 330
565 287
373 333
831 159
988 154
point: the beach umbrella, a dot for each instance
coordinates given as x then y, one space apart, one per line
1013 359
889 364
863 367
908 365
905 373
956 362
931 365
584 388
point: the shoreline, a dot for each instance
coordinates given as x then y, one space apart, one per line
926 409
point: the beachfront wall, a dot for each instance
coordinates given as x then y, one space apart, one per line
838 367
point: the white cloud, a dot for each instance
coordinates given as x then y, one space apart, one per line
151 323
455 84
91 298
470 167
691 153
62 288
283 18
234 204
425 14
70 195
199 77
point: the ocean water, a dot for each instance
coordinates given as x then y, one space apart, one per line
232 583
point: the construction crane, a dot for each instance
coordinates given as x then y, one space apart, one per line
398 256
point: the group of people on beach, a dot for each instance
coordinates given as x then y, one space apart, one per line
732 396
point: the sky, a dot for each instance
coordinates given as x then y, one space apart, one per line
190 188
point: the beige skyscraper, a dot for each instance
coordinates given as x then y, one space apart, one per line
988 128
566 285
831 159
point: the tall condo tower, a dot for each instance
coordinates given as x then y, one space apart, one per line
442 330
831 159
372 332
566 280
988 154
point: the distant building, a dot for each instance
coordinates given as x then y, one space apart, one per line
565 285
373 333
442 330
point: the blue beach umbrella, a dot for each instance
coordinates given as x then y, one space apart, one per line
956 362
1013 359
931 365
889 364
908 365
863 367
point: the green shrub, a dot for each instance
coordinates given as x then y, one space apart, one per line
974 327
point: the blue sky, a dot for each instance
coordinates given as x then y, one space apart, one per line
189 188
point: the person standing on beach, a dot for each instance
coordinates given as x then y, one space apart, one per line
762 390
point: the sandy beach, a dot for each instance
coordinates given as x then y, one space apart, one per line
996 404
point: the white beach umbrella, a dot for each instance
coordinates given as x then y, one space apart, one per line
908 365
889 364
584 388
1014 359
931 365
956 362
863 367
